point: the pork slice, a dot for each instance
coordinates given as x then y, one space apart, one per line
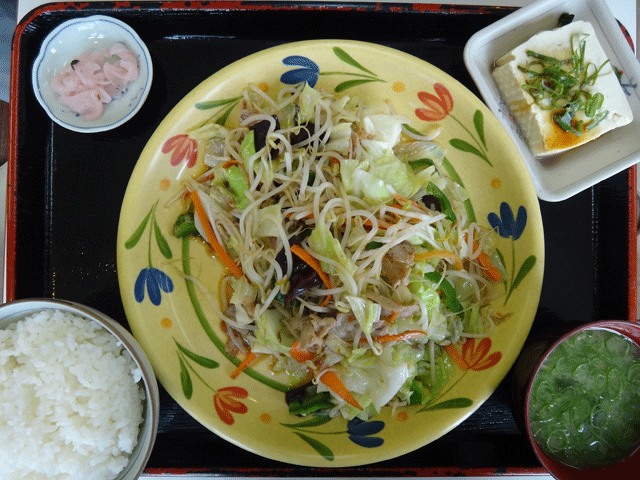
389 306
397 264
314 329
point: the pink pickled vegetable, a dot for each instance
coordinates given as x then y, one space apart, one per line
95 79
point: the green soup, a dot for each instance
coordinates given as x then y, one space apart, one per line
585 401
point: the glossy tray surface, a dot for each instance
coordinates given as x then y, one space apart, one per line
66 191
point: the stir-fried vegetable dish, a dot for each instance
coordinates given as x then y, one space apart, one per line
351 260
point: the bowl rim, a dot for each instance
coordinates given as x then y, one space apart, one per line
151 412
42 54
557 469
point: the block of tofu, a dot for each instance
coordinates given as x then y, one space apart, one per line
543 135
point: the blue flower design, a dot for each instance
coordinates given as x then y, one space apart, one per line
360 432
151 278
155 280
308 73
506 225
512 227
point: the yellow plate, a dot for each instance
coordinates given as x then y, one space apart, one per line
164 281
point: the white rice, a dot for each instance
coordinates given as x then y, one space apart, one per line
71 400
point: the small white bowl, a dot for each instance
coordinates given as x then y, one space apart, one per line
74 37
568 173
17 310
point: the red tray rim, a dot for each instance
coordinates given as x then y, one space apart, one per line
11 206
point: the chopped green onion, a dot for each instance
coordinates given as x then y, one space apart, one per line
559 85
564 120
593 104
544 58
596 120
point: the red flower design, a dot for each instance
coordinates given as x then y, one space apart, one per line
475 356
438 106
182 148
225 402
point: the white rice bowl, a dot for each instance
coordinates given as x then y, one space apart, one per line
71 399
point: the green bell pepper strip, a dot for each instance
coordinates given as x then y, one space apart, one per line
448 293
445 204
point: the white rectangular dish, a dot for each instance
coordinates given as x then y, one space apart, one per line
563 175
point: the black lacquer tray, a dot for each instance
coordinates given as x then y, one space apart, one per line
65 192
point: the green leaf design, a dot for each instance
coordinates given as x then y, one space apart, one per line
135 238
525 268
504 266
478 122
185 379
223 118
460 402
467 147
354 83
215 103
411 129
314 421
353 74
319 447
163 245
202 361
208 330
500 256
348 59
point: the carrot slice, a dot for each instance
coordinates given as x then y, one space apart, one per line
409 334
400 199
246 361
453 353
487 265
391 317
306 217
440 254
313 263
211 236
331 380
233 161
368 224
300 355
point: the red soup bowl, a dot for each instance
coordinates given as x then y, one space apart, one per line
577 412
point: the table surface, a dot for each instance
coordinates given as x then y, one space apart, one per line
623 9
